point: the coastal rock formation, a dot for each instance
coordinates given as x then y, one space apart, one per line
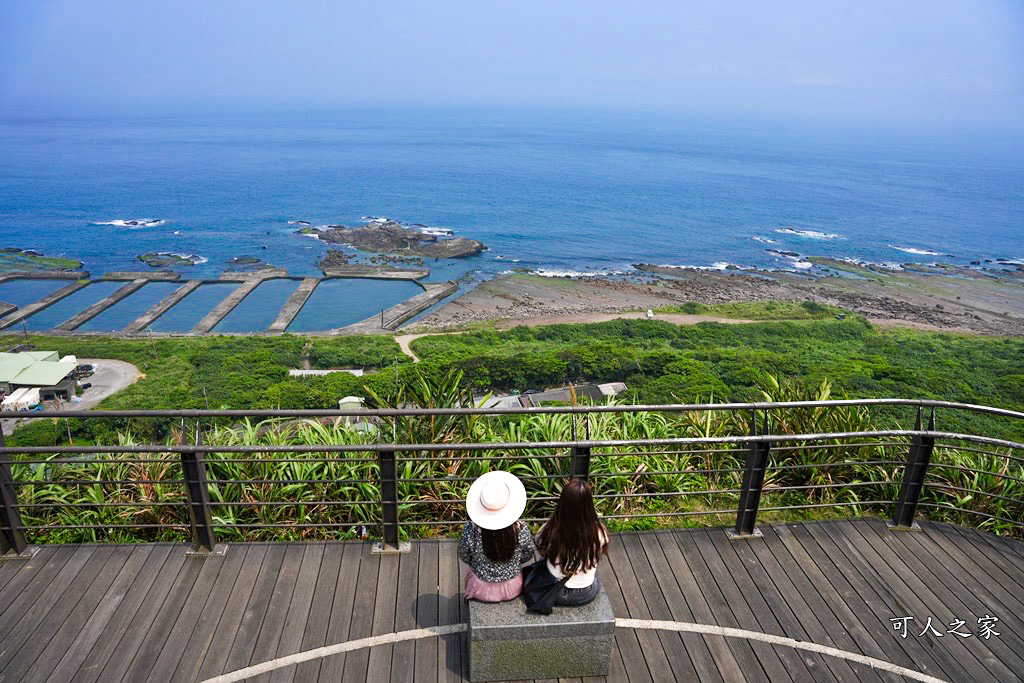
334 258
163 259
27 260
392 238
245 264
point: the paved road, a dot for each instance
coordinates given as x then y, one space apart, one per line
109 377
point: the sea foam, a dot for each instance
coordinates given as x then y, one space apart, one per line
913 250
134 224
811 234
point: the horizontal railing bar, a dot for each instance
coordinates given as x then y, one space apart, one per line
462 501
292 481
99 461
247 503
109 527
719 470
931 486
681 513
944 506
688 452
575 410
295 525
401 458
734 439
93 482
668 494
826 446
171 504
434 480
981 451
212 458
823 465
970 470
768 489
854 503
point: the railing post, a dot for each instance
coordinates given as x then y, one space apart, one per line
389 505
579 456
579 462
753 482
918 458
12 533
193 465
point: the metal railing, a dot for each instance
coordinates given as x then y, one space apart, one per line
705 462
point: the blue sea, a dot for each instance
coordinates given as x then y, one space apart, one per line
555 192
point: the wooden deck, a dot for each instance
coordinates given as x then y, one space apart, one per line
149 613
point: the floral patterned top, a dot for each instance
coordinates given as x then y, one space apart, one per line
471 551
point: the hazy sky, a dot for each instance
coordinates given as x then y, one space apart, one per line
946 60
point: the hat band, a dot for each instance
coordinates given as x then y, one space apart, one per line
492 499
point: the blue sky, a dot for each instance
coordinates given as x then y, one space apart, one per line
927 60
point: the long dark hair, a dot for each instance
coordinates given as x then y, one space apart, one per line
573 537
499 544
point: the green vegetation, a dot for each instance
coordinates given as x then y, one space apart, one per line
818 358
13 259
318 495
759 310
659 362
665 363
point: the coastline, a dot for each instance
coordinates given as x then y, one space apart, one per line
981 304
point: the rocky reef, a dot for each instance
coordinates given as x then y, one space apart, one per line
245 264
394 239
163 259
26 260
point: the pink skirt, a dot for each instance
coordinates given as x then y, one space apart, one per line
488 591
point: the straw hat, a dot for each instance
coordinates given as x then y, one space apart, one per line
496 500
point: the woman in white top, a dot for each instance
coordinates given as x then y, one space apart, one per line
574 541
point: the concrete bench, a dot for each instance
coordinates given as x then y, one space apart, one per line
507 642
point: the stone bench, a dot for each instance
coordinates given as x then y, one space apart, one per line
507 642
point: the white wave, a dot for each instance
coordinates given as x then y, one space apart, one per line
718 265
196 259
887 265
314 235
766 240
912 250
177 232
298 223
812 234
545 272
803 265
134 223
376 219
439 232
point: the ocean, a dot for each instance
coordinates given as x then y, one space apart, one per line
554 192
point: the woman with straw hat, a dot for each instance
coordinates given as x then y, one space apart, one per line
494 543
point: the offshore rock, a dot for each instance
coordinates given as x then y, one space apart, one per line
391 238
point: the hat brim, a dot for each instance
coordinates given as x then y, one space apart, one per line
496 519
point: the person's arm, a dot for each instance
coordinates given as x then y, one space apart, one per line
466 543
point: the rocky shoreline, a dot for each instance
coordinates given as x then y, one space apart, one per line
985 303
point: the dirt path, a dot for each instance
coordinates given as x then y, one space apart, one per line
404 340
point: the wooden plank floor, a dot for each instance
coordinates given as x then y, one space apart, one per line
149 613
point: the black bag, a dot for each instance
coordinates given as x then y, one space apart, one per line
540 588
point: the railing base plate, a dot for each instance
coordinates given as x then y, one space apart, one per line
899 527
219 550
27 554
379 548
733 536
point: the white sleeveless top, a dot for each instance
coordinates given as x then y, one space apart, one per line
580 579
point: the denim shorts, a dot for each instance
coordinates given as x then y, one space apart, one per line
579 596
